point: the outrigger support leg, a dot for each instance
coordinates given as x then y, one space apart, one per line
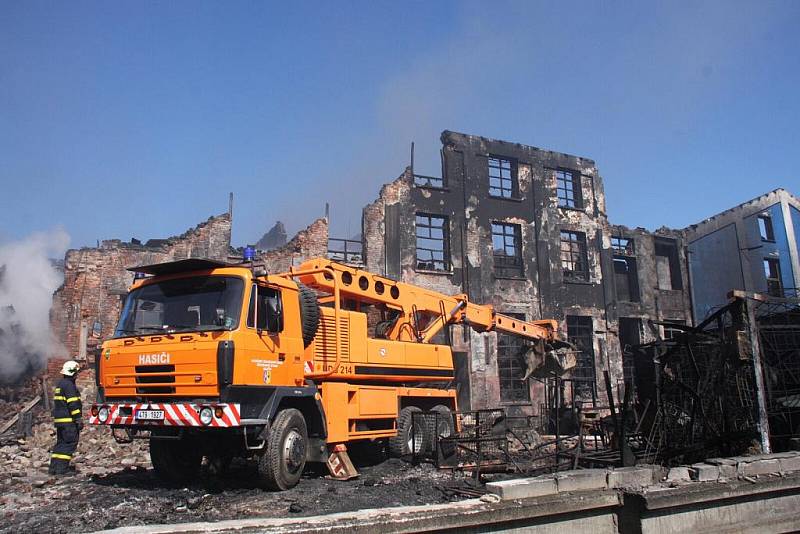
339 464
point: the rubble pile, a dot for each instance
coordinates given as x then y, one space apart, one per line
26 458
13 398
115 485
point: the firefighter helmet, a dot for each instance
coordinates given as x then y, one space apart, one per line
70 368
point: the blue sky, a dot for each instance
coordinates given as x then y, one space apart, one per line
122 120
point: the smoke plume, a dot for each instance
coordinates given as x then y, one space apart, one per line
28 280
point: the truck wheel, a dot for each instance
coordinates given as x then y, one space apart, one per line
284 457
309 313
444 423
175 461
407 440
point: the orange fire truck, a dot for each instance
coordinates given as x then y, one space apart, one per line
217 360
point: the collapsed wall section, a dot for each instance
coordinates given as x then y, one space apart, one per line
309 243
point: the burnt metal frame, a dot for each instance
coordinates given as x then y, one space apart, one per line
574 260
425 230
502 177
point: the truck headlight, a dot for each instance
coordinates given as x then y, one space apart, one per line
102 414
206 415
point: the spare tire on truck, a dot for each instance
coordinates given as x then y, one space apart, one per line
309 313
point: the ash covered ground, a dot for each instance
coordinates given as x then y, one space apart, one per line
115 486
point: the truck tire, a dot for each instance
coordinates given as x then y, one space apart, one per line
407 441
445 427
281 465
309 313
175 461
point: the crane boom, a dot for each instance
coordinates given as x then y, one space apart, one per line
420 313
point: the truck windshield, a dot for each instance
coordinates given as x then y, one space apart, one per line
183 304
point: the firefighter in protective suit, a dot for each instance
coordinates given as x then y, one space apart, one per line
67 418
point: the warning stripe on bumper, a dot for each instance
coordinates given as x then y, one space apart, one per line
175 414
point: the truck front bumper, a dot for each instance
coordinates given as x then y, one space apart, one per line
180 414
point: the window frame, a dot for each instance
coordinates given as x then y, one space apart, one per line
774 283
252 320
768 233
581 253
616 246
512 363
632 272
507 265
670 246
445 240
587 354
572 197
513 188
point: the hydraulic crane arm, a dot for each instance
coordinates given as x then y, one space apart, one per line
419 313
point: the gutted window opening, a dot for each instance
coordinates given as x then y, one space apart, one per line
507 247
622 246
772 271
511 367
630 334
348 251
432 243
502 177
574 262
434 182
668 267
626 281
568 189
580 333
765 227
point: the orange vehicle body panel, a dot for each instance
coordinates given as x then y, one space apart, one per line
370 412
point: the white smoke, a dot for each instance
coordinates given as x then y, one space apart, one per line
28 280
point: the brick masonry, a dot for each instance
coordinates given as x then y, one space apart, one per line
86 307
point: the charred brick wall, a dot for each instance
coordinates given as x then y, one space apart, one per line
308 243
96 279
493 193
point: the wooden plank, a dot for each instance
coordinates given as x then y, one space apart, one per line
27 407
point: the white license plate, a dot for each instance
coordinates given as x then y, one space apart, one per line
150 415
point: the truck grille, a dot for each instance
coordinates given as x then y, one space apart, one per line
142 372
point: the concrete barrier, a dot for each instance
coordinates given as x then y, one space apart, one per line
593 500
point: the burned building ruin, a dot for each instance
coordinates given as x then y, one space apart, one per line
526 229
